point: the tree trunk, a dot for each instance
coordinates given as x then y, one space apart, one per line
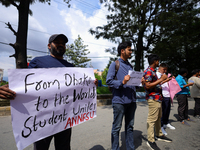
21 38
139 53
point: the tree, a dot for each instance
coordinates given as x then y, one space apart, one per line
112 51
104 76
138 21
76 53
20 46
133 20
178 44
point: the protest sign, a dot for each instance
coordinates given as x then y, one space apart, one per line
50 100
135 78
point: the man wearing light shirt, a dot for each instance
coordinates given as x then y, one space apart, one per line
166 102
195 91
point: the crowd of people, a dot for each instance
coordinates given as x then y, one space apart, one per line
159 101
124 96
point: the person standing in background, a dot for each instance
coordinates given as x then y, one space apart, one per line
154 98
182 96
166 102
195 92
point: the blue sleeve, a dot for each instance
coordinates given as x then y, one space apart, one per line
181 82
33 63
110 81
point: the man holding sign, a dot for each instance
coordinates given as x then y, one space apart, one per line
124 97
57 49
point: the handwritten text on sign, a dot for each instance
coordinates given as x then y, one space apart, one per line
49 101
135 78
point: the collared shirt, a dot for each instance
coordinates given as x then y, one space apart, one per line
156 92
181 81
165 86
122 94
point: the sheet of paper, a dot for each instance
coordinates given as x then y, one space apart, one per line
173 87
49 101
135 79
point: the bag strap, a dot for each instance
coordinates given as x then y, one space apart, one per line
116 68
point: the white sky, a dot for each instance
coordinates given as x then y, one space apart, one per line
56 18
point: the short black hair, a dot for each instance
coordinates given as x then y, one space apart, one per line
152 58
195 71
123 45
182 71
164 65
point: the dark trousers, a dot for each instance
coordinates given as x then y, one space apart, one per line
61 141
182 106
166 106
197 106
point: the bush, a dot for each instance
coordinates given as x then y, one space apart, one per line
103 90
140 89
3 83
97 76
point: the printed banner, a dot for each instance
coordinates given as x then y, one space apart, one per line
50 100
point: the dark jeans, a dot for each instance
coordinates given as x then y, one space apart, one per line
182 106
61 141
166 106
120 110
197 106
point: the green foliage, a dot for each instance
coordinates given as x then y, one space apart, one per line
97 76
178 44
133 21
103 90
171 26
104 75
3 83
76 53
140 89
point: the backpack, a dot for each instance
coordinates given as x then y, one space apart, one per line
116 70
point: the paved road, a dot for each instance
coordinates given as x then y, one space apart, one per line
95 134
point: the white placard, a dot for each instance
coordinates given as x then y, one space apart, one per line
50 100
135 79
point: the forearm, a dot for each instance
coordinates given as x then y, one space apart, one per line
167 80
186 85
114 83
153 84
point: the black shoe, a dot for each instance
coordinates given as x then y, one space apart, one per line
163 138
153 145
